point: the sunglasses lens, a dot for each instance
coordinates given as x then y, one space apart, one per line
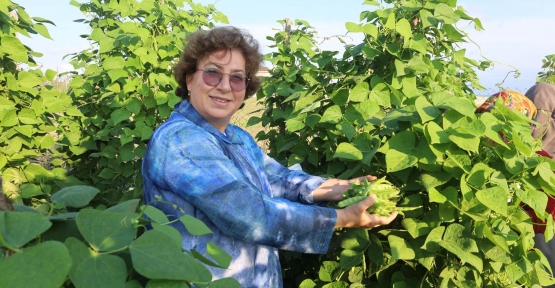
212 77
237 82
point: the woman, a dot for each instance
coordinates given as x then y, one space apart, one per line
215 172
543 96
538 104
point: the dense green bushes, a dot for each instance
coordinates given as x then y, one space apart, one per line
78 221
400 105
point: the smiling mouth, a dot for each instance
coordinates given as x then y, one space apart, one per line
220 100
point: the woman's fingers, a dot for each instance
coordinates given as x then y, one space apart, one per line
369 201
377 220
356 216
384 220
362 178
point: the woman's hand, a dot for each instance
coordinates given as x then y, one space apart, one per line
355 216
333 189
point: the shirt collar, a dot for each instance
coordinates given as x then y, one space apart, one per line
188 111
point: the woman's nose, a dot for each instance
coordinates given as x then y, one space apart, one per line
224 83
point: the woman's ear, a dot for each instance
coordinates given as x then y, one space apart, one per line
188 79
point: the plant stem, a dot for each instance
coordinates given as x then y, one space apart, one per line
5 244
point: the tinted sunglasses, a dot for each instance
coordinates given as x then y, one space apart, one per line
212 77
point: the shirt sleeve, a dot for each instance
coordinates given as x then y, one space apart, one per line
293 185
190 163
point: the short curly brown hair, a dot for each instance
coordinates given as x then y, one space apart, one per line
204 42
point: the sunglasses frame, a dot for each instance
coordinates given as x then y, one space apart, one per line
212 70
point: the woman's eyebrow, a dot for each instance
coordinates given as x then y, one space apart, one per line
220 66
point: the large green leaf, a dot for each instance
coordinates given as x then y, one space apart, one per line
446 14
78 252
167 261
35 171
100 270
381 94
155 214
419 43
415 227
43 31
5 106
457 235
329 271
353 27
399 156
375 250
28 80
433 179
436 134
115 62
426 111
44 265
332 115
30 190
433 239
466 257
9 119
494 198
457 163
340 97
129 206
400 248
106 231
355 239
537 200
120 115
498 240
428 18
75 196
28 116
350 258
194 226
360 92
18 228
464 140
403 28
168 230
218 254
418 66
14 48
295 124
370 29
347 151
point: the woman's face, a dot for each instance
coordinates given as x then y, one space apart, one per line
216 104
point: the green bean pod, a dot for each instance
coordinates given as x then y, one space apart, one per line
351 201
387 196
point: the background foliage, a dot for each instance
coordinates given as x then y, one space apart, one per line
62 230
399 104
548 73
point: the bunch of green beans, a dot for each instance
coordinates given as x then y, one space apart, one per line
387 196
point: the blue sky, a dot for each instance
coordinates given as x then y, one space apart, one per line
517 33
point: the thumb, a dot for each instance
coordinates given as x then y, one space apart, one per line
369 201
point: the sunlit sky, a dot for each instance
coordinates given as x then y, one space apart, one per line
517 33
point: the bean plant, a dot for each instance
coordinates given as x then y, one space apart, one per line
400 106
70 162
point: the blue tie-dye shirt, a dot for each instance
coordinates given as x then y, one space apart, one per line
253 204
